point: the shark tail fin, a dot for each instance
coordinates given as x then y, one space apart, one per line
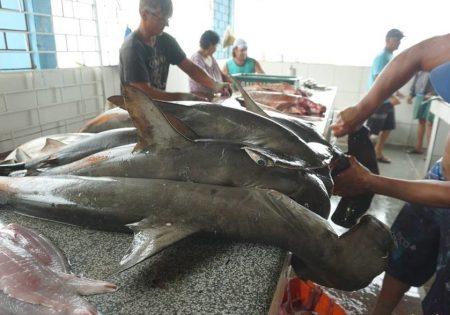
149 241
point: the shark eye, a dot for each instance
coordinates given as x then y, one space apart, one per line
261 162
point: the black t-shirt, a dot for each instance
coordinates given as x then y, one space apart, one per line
141 63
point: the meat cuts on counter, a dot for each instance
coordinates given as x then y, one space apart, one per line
287 103
285 88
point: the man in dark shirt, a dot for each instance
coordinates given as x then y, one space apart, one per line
147 53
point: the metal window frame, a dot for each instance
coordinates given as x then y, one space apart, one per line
33 49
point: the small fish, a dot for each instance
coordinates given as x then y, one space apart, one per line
34 278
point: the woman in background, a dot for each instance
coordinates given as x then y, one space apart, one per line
205 60
241 63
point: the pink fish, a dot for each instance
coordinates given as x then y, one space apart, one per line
34 278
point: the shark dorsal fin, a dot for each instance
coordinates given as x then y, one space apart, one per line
250 104
52 144
152 126
117 100
21 155
148 241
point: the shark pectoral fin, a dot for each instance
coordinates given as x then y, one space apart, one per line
149 241
52 144
250 104
117 100
153 129
268 158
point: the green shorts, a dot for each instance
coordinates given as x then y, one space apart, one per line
422 110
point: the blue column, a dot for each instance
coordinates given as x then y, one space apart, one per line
223 16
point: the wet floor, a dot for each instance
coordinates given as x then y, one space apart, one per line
386 209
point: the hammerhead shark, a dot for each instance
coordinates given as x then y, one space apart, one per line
164 210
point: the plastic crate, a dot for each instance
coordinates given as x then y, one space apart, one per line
250 78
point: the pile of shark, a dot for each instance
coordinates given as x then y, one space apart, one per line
165 171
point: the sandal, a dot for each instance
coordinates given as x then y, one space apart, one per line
414 151
383 160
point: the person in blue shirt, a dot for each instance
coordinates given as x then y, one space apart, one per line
241 63
423 226
383 120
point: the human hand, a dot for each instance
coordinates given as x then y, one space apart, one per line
399 94
191 97
347 121
222 87
353 180
409 99
394 100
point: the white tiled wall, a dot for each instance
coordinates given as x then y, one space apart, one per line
37 103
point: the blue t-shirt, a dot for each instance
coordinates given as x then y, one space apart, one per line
380 61
249 66
378 64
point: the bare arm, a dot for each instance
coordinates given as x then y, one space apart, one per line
258 67
432 193
357 179
425 55
225 70
199 75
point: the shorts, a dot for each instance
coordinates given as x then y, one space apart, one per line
423 248
422 110
382 119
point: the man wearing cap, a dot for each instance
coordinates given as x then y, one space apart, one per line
147 53
422 228
383 120
241 63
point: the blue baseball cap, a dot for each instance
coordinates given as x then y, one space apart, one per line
440 78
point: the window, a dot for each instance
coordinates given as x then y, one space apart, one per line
14 44
46 34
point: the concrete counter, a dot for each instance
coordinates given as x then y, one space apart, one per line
199 275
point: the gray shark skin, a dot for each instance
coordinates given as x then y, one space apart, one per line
162 212
204 162
211 121
162 152
85 147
